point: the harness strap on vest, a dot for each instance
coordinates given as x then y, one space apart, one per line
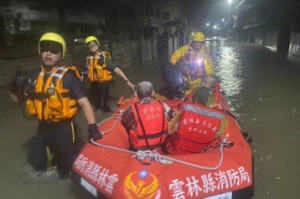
57 75
39 96
156 135
160 145
44 100
42 96
94 67
163 119
141 123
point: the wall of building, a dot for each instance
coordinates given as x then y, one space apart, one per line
125 53
295 45
269 39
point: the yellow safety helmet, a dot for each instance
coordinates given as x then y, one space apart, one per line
199 36
50 36
91 38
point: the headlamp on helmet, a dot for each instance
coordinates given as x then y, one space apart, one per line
199 62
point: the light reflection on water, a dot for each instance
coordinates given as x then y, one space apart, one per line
228 65
229 69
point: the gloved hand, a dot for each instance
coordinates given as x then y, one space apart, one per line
94 132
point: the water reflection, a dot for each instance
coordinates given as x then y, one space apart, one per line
228 67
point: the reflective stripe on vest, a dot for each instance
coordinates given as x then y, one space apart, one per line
57 75
201 111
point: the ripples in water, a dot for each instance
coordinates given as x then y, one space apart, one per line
228 69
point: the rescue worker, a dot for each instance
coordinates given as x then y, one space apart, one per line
100 73
52 94
197 124
194 61
147 120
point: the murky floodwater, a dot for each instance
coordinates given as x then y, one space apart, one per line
264 91
262 88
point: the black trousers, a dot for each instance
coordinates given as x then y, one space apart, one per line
59 138
99 94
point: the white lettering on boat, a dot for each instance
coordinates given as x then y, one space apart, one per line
208 183
96 173
177 189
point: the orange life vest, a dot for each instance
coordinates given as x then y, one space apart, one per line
197 129
152 126
50 101
98 72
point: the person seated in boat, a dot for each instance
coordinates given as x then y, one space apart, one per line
212 82
197 124
147 120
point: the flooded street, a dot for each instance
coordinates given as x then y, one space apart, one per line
262 88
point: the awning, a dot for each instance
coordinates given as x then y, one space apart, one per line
257 24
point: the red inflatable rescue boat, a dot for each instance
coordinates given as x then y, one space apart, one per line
107 169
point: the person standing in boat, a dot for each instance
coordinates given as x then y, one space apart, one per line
194 61
100 73
53 92
197 124
147 121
